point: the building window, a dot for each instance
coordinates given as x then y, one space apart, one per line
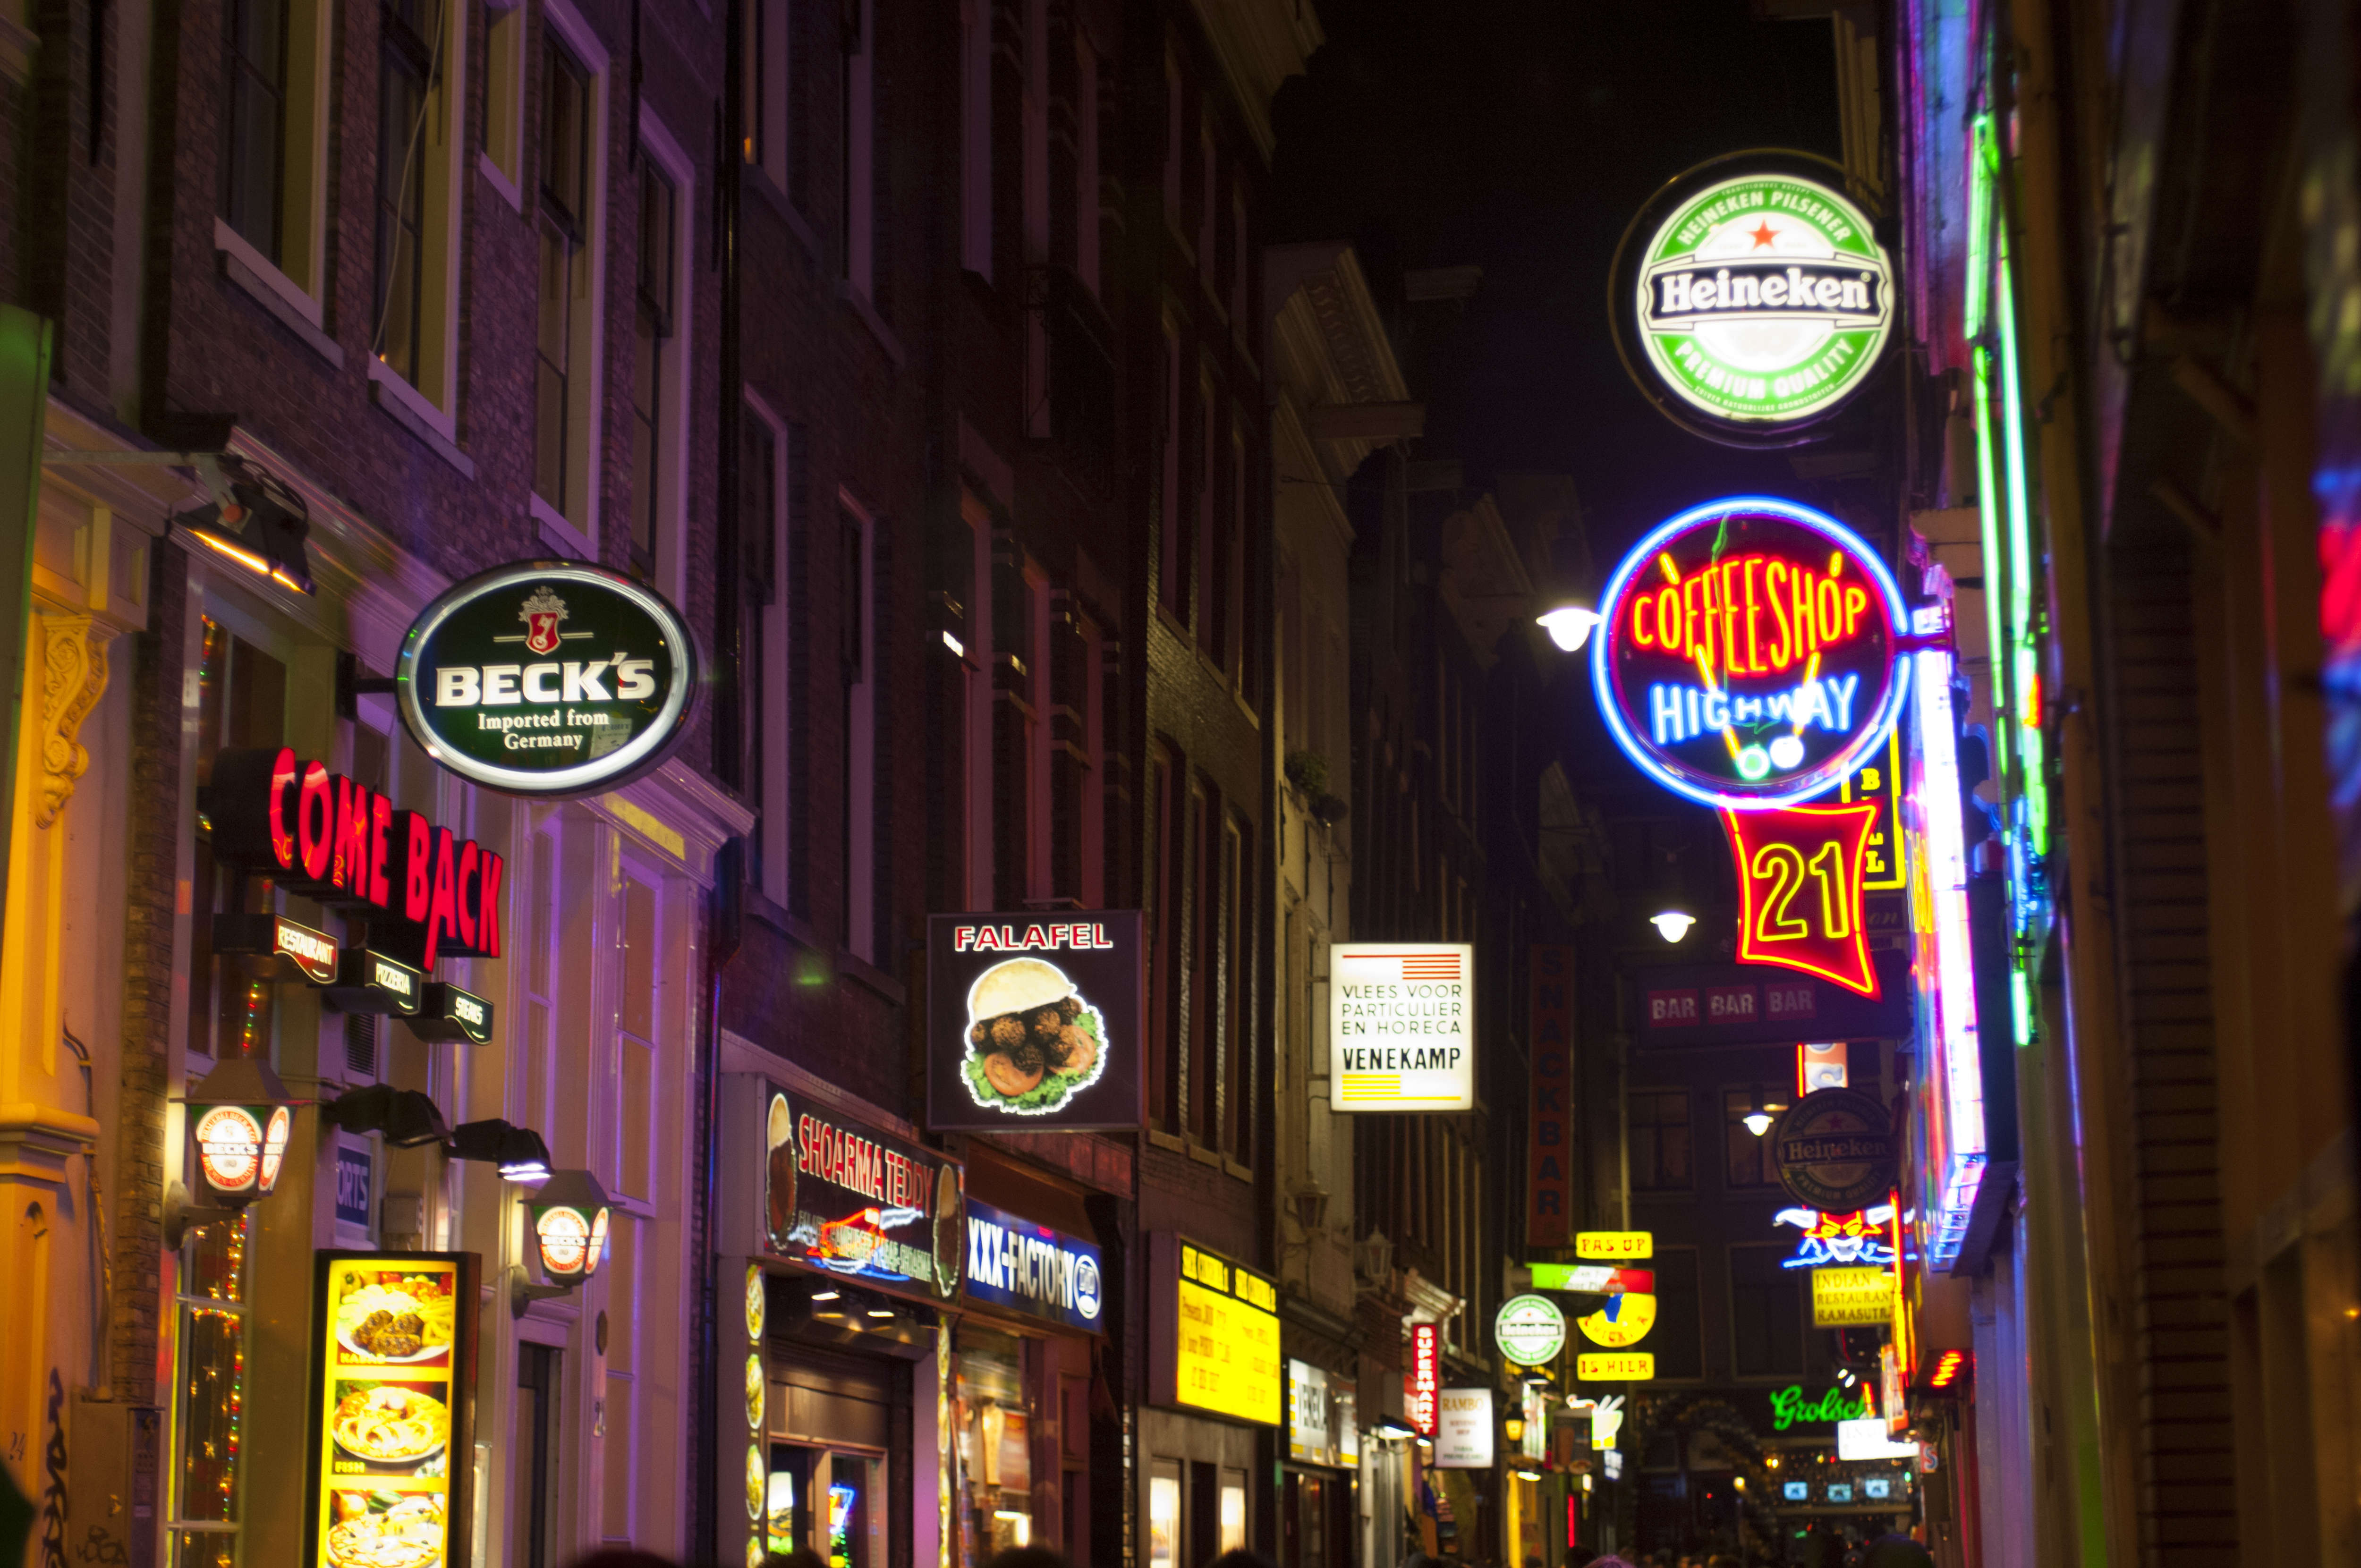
1204 998
1207 541
857 660
254 123
504 57
767 59
209 1394
1766 1313
637 1082
561 400
241 702
651 342
762 523
860 147
1677 1340
1744 1162
975 138
405 67
1237 970
1163 904
1172 559
1660 1140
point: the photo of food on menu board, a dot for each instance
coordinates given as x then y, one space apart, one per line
395 1355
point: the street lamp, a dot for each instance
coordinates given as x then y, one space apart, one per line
569 1215
1569 623
1671 922
240 1118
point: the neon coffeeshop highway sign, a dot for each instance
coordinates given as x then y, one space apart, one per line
1750 653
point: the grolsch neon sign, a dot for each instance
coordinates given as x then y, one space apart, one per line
425 891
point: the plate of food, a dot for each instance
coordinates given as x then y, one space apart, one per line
385 1529
388 1316
389 1423
1033 1043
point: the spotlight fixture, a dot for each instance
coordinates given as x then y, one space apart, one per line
518 1151
1671 924
881 1312
826 1295
408 1118
1392 1430
1569 623
255 521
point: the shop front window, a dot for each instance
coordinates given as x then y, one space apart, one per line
1164 1514
994 1441
209 1395
1234 1510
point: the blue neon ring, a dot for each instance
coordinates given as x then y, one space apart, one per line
1835 769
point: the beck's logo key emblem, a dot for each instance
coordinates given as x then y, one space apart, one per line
540 615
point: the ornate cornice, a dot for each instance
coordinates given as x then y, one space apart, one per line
73 678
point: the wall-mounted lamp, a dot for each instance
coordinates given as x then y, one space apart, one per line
1513 1428
568 1214
1760 1114
1392 1430
254 520
518 1151
1671 922
239 1118
408 1118
1569 623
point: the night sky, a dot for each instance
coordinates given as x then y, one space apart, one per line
1521 135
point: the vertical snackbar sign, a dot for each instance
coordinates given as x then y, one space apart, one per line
1402 1028
1550 1188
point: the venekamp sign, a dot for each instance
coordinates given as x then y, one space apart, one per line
425 891
547 678
1035 1024
1750 658
1752 299
1401 1025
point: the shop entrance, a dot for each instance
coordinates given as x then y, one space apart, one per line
532 1518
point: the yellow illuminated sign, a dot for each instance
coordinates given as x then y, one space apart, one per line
1615 1245
1851 1298
1226 1356
1615 1365
395 1348
1623 1321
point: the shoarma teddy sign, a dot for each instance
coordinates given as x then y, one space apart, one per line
1035 1023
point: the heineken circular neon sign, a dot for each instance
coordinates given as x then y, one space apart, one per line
1751 299
1748 658
547 678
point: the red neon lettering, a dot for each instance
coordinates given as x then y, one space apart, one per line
417 869
464 897
282 780
488 909
350 869
380 819
315 822
1782 654
1751 565
441 907
1641 605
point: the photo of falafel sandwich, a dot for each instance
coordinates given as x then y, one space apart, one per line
1033 1043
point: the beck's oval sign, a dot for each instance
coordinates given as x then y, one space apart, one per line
547 678
1753 299
1834 1151
1750 653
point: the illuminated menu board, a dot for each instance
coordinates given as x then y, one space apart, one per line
1218 1348
393 1360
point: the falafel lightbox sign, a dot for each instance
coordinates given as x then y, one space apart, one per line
1401 1025
1751 654
1035 1021
1752 298
547 678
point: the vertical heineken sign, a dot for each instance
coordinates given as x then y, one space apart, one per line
547 678
1751 299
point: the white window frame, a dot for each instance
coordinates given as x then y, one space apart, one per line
860 159
768 56
978 518
861 750
975 138
672 427
773 828
586 403
435 396
501 162
299 276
